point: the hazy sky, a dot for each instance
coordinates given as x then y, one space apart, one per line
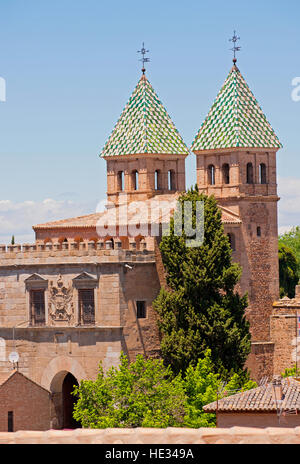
71 65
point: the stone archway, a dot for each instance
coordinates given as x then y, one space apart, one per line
59 377
63 401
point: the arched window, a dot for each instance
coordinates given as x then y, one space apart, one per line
258 231
135 180
231 238
171 180
249 173
225 171
157 180
211 174
262 173
121 181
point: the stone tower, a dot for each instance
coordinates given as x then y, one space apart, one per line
236 161
145 153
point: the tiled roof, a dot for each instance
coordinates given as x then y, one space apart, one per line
144 127
91 220
260 399
235 120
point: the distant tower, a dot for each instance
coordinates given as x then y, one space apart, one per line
236 161
145 153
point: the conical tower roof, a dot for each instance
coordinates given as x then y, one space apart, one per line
144 127
235 119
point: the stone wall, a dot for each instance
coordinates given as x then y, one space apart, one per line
176 436
49 351
285 332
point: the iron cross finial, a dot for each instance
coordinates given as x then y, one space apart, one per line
235 48
144 60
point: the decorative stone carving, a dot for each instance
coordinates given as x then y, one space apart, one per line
61 307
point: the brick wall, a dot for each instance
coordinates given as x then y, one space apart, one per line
29 403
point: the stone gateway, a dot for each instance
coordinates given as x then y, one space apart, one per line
79 295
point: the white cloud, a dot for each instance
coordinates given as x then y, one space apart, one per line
289 204
17 218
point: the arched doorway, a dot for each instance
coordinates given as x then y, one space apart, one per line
68 402
63 401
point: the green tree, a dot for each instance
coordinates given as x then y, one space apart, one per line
12 240
146 394
201 308
202 385
292 240
141 394
288 271
291 372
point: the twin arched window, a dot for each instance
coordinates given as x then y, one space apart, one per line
211 171
262 173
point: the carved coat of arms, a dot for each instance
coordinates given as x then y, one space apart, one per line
61 307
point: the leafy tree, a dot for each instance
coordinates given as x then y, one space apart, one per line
288 271
146 394
141 394
202 385
12 240
201 308
291 372
292 240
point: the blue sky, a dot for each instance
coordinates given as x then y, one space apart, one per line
71 65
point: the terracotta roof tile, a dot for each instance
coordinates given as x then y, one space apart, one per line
151 205
260 399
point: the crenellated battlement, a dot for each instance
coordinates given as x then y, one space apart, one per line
112 250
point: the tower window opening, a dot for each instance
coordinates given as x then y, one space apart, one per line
211 174
157 180
226 170
121 181
249 173
171 180
141 309
231 239
262 173
258 231
135 180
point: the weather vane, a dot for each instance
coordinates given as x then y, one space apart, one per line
144 60
235 48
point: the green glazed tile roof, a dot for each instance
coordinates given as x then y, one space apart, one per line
144 127
235 119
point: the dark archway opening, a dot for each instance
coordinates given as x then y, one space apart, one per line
69 401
